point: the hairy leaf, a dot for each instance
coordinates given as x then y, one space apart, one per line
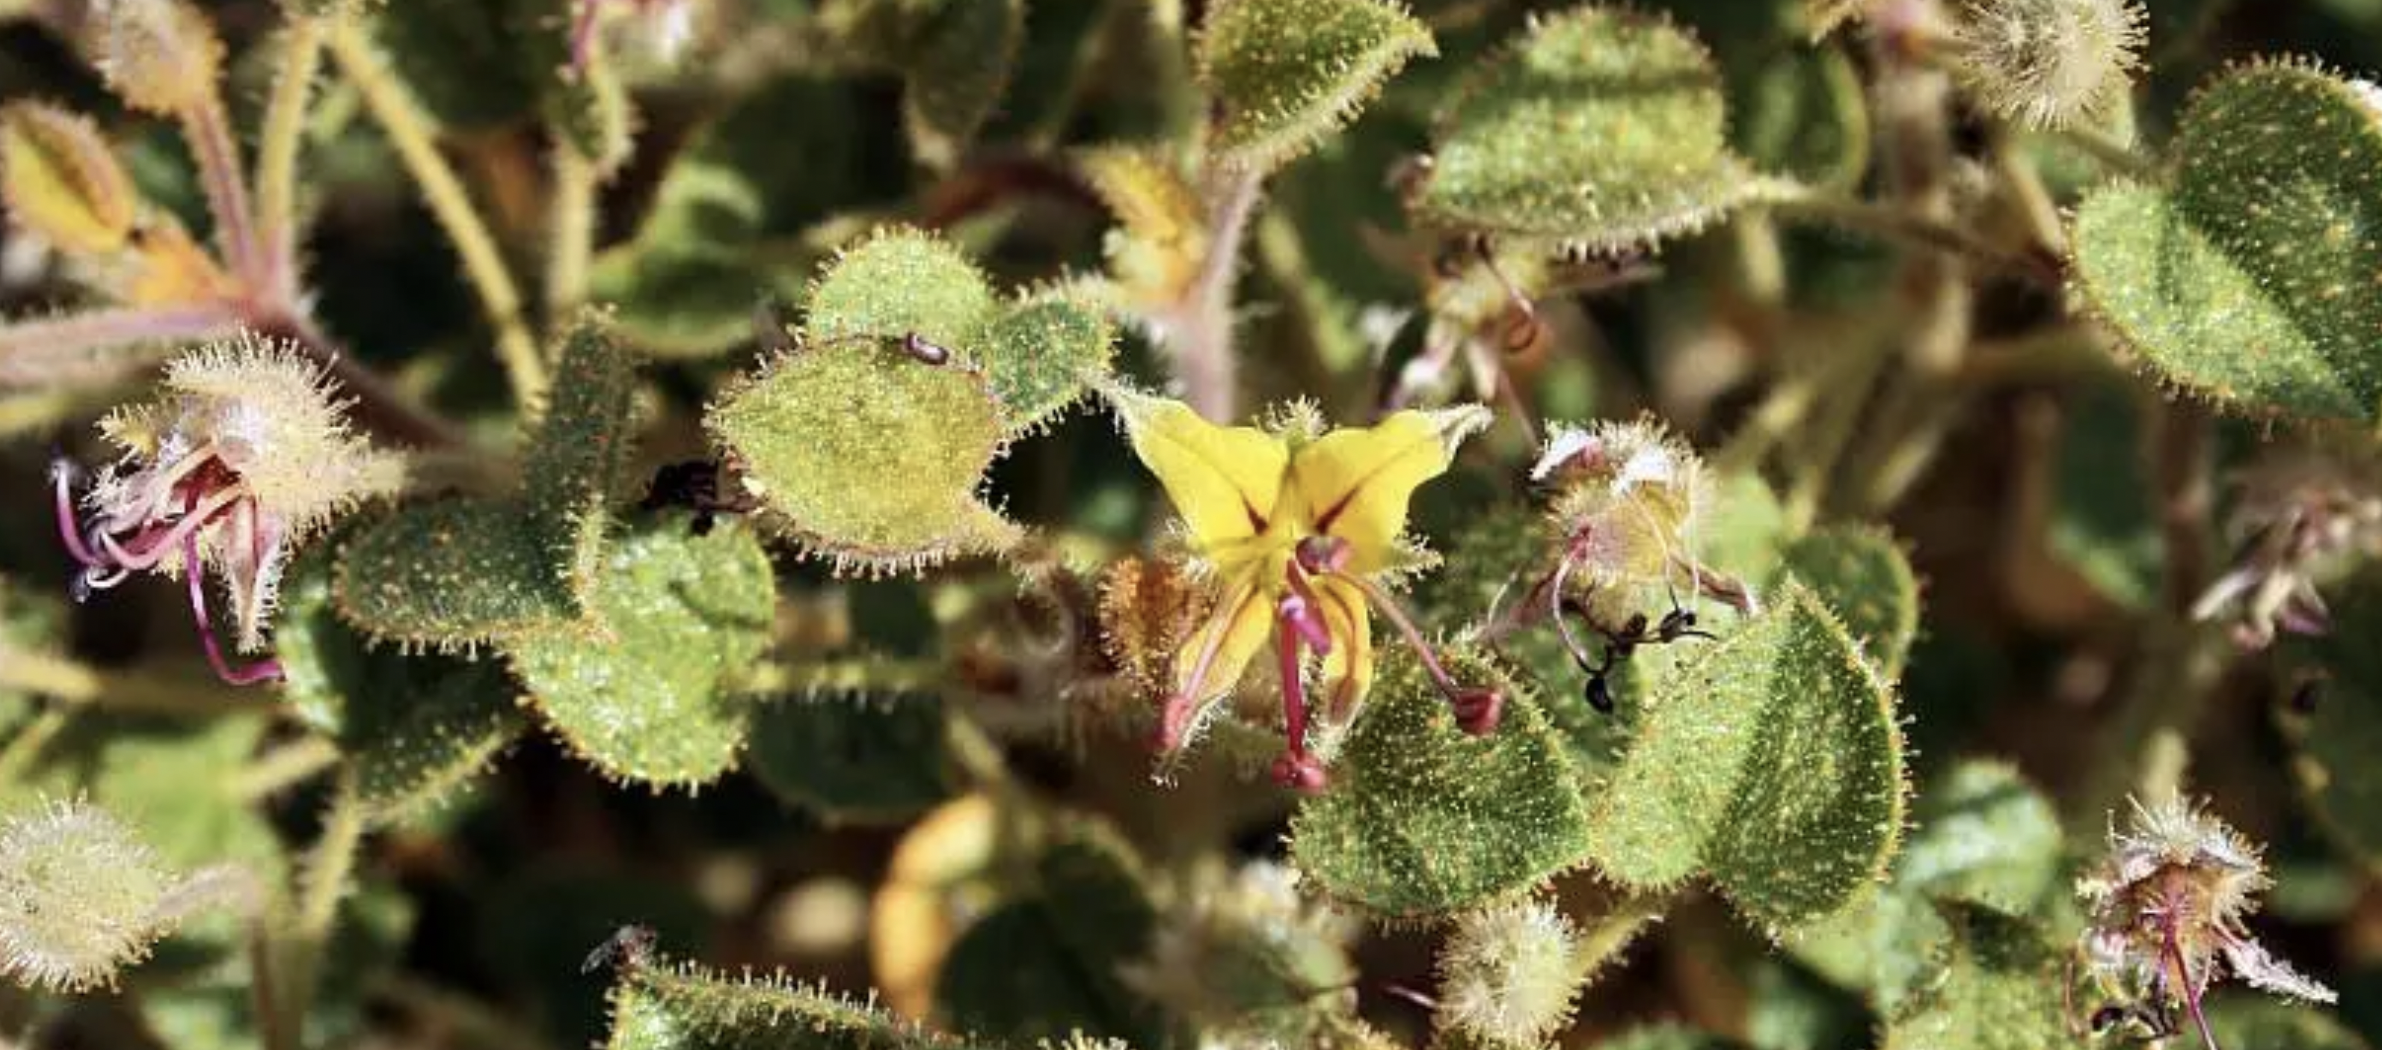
853 759
1422 819
872 458
1286 73
1861 574
1771 759
649 700
661 1005
2249 279
1998 989
414 728
1600 129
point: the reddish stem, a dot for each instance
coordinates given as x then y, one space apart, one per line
261 671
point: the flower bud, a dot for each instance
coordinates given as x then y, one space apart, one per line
161 56
2048 63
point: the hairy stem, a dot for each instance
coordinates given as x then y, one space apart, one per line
1203 348
408 128
1916 409
572 229
75 684
77 349
2180 660
277 153
209 132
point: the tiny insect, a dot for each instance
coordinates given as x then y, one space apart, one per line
1679 623
629 945
694 485
927 352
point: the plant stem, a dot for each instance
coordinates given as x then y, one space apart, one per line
1924 231
27 744
572 227
322 884
74 684
70 350
284 766
2118 156
209 132
1203 349
408 128
277 153
1917 407
2181 659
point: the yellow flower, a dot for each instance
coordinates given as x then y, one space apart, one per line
1295 530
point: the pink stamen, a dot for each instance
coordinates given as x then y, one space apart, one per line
70 530
261 671
1477 708
1296 769
148 550
2191 989
1299 610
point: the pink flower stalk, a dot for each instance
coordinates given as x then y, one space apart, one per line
244 455
2167 910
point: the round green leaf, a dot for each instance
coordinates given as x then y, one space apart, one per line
1039 354
648 700
662 1005
1422 819
871 457
451 574
1862 575
2250 279
1048 962
1997 988
854 759
1286 73
1602 128
1772 759
414 727
898 282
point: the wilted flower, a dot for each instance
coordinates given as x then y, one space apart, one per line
245 455
1293 529
2048 63
2302 521
1629 503
2166 913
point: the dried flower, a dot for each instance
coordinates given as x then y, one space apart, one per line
2303 520
1293 529
2167 909
2048 63
245 455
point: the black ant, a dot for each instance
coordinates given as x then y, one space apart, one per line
1679 623
695 485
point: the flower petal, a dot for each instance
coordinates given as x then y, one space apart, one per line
1356 482
1225 481
1348 668
2262 971
1223 646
